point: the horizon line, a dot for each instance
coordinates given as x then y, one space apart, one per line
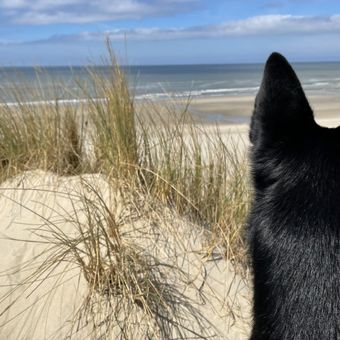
153 65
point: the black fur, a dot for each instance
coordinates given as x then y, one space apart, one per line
294 225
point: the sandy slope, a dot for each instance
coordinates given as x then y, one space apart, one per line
38 206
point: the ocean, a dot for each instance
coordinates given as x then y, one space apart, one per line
158 82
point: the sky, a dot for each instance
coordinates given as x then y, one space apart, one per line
73 32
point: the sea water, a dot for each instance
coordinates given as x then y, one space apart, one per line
158 82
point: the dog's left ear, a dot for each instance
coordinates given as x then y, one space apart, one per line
281 108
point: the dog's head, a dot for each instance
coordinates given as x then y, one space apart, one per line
281 108
288 147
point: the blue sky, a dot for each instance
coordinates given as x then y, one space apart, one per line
73 32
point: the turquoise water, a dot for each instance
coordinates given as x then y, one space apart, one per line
161 81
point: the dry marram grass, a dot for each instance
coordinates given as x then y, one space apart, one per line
127 242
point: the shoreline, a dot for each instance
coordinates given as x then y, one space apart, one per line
230 110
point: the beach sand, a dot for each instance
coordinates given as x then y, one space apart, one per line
237 110
36 204
42 290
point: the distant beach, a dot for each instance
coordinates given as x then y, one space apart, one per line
238 109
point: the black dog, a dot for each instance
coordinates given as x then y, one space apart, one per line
294 225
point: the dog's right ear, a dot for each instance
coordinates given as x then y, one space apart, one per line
281 108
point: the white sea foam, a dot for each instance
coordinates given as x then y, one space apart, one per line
317 84
74 101
198 93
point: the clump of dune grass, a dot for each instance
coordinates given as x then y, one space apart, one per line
127 252
154 150
201 175
168 155
47 136
157 147
113 121
130 290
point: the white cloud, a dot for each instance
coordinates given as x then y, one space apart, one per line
280 24
14 4
258 25
84 11
266 25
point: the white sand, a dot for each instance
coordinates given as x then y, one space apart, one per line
37 204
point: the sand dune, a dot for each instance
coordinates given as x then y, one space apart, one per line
43 291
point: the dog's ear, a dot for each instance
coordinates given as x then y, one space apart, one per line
281 107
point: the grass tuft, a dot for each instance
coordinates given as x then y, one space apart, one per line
151 150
